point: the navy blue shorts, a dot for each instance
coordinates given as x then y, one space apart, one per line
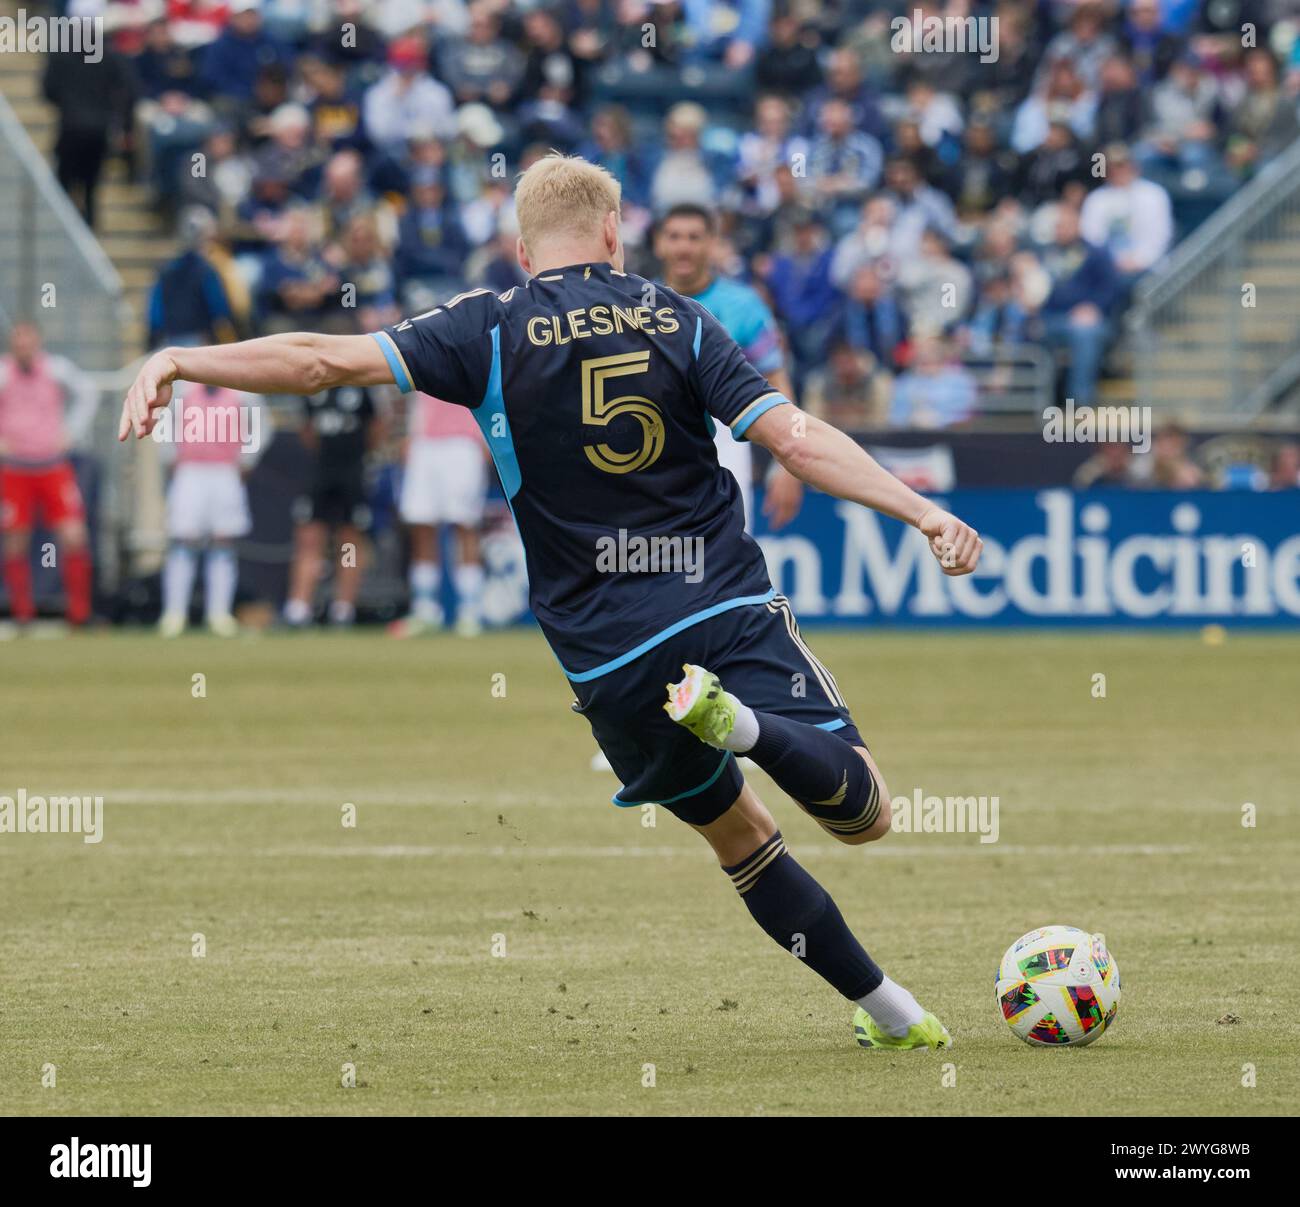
758 653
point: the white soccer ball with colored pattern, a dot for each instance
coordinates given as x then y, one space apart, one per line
1058 987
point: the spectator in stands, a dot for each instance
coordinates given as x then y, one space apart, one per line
298 290
1085 286
188 303
334 104
851 391
612 147
984 172
844 82
94 101
936 287
870 320
684 173
1264 121
175 125
1129 216
937 115
431 244
230 64
1110 466
270 95
870 243
1000 320
770 146
1180 133
482 66
1121 103
1062 95
1284 469
732 44
548 88
799 281
406 100
936 391
788 65
343 194
918 206
1052 166
226 177
843 165
369 283
1085 44
1168 466
289 151
163 65
46 407
1150 47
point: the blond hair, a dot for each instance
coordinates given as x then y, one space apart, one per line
564 195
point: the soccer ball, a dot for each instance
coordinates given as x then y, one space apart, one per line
1058 986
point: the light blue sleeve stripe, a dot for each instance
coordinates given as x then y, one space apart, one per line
494 423
775 401
671 631
400 376
699 335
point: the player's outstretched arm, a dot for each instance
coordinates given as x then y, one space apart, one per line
300 362
826 458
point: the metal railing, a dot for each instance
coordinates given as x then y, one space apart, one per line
52 268
1202 340
1013 379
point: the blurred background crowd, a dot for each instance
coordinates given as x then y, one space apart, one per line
925 224
301 146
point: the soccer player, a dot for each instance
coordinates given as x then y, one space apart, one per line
445 482
207 509
342 426
686 244
598 411
46 403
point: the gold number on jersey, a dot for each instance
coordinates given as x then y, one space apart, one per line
598 411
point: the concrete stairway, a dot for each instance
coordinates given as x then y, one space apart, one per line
135 239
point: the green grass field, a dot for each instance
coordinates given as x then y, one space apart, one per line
477 816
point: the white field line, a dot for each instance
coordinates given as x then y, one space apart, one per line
524 851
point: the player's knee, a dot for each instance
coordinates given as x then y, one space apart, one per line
876 814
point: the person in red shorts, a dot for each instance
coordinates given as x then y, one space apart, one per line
45 401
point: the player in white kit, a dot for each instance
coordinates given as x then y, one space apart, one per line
207 506
445 483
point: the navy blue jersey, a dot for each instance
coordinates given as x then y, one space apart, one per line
597 391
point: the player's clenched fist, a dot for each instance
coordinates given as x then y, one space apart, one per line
956 545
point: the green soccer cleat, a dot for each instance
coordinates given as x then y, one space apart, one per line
928 1033
699 704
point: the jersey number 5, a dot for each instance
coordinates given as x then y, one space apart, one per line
598 410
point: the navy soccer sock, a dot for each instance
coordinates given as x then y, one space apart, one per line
799 915
823 773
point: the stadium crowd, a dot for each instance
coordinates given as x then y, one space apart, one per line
332 164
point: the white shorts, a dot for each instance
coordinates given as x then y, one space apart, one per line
445 482
738 457
206 501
